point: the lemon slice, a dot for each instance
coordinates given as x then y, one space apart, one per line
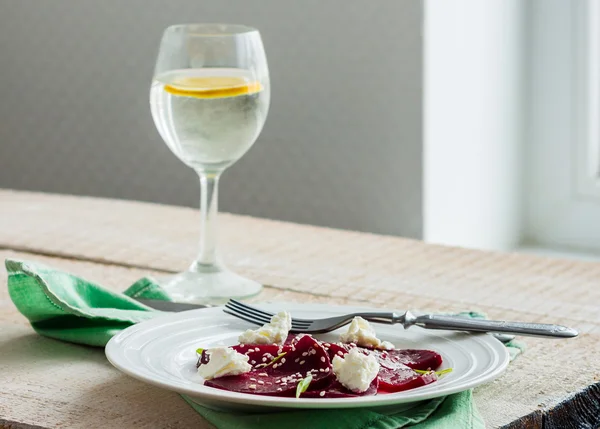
212 86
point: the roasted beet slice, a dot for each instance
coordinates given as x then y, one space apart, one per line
402 378
334 349
254 382
260 355
290 338
305 356
331 348
336 390
415 359
396 368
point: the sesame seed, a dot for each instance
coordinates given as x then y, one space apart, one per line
262 374
253 362
282 360
261 382
264 359
257 349
242 346
297 360
340 353
252 386
277 381
279 389
302 362
307 373
304 354
322 358
253 379
322 394
321 370
326 369
283 383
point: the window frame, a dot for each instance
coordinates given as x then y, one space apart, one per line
586 98
562 161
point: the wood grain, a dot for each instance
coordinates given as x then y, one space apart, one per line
580 411
116 242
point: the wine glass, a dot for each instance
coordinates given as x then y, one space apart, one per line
209 100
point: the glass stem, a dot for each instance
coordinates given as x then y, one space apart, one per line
208 259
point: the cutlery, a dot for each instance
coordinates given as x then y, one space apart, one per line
428 321
170 306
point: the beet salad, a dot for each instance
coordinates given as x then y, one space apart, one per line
270 361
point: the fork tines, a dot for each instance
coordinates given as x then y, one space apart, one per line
257 316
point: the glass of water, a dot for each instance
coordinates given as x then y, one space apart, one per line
209 100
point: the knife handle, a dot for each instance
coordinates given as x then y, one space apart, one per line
456 323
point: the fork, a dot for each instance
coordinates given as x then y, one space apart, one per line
429 321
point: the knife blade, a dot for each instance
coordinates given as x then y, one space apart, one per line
158 304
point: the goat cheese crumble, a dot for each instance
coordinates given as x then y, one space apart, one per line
355 370
274 332
361 333
223 361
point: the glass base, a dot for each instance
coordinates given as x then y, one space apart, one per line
212 288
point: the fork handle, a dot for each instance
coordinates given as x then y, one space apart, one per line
434 321
377 316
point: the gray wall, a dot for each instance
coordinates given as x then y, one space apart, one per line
342 143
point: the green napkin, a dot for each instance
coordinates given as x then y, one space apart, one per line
62 306
453 411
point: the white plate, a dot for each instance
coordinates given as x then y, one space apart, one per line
162 352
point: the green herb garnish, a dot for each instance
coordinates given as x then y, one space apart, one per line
199 351
438 373
303 386
264 365
444 371
279 356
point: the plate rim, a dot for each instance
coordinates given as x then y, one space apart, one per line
113 347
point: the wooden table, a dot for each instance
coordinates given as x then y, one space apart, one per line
46 383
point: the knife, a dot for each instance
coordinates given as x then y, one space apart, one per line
161 305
